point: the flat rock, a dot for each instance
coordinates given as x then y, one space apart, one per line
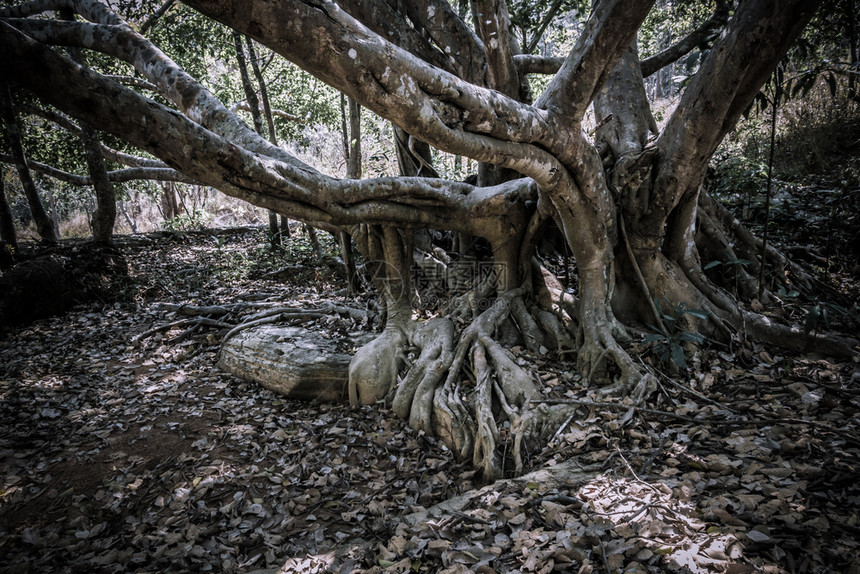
294 361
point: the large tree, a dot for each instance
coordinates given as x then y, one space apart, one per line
626 198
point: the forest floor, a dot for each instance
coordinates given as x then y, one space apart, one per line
128 451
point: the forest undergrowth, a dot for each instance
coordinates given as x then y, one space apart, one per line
124 449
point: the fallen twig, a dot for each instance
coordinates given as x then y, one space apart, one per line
196 322
617 406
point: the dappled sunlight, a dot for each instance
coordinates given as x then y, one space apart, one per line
641 520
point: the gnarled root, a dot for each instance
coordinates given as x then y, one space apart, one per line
600 349
413 398
373 369
498 381
485 455
452 421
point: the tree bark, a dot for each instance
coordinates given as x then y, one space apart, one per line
169 205
104 216
268 113
687 44
352 153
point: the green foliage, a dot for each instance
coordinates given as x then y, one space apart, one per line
528 17
825 314
668 346
729 267
196 43
197 219
300 250
736 176
670 21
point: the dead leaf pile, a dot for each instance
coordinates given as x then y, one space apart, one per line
124 454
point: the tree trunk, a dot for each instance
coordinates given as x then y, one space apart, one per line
104 216
276 233
254 104
7 226
313 237
44 225
352 153
169 205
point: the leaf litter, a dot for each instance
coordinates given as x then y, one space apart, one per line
124 449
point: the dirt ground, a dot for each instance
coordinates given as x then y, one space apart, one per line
123 451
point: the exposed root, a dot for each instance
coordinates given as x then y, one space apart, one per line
761 328
528 327
473 302
235 317
599 349
726 310
413 397
373 369
551 296
453 423
485 456
524 424
517 384
748 246
557 336
435 399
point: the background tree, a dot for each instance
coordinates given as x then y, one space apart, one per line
257 114
625 196
44 225
7 228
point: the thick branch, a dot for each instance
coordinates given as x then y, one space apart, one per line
610 29
122 42
757 37
529 64
134 81
385 20
493 27
695 38
117 176
451 35
329 43
93 11
202 155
